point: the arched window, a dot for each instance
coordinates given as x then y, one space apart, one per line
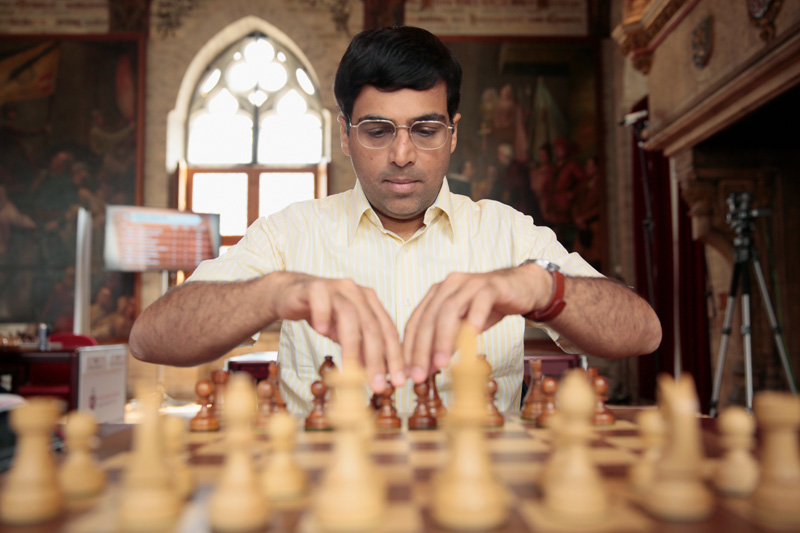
255 135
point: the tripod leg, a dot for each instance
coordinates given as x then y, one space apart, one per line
748 341
776 329
723 345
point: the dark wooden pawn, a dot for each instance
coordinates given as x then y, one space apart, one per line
316 420
549 389
387 414
421 418
325 367
495 418
534 400
265 392
435 406
274 378
204 420
602 414
220 379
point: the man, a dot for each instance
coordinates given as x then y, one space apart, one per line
398 253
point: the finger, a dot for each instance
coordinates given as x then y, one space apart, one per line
371 343
347 326
449 317
417 363
441 301
392 350
320 307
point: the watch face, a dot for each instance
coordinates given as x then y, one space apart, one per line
758 8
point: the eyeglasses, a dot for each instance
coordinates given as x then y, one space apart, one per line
379 133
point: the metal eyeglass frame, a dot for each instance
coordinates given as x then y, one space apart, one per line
396 127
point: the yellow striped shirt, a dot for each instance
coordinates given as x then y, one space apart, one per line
341 237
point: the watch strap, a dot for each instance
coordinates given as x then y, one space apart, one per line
556 303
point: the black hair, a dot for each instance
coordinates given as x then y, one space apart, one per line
389 59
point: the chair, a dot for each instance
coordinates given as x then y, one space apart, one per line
70 341
54 378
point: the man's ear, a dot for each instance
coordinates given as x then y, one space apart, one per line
343 135
454 137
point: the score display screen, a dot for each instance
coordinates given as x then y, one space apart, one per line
140 239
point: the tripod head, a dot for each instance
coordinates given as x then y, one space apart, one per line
741 217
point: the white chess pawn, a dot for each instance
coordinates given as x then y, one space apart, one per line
174 449
652 430
80 475
737 472
238 502
574 492
32 494
282 478
777 494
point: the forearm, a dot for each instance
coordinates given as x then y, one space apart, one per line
607 319
200 321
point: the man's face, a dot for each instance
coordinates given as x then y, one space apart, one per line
400 181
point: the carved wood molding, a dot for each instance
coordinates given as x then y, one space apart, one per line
770 73
644 25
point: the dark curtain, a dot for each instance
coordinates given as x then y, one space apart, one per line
655 283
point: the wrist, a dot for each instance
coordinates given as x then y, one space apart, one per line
555 304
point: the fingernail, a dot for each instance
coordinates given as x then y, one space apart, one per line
441 360
418 375
378 383
398 378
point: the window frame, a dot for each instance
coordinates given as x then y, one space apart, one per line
253 173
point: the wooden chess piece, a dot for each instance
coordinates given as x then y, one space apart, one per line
326 366
534 400
275 378
421 418
652 430
494 418
316 420
32 492
220 379
81 476
175 450
466 494
386 417
549 390
737 472
352 493
282 478
324 369
602 414
574 492
375 402
678 491
149 501
264 391
204 420
435 406
238 502
777 493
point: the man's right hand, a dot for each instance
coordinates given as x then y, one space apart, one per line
346 313
200 321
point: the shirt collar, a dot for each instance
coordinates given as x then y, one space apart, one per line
359 208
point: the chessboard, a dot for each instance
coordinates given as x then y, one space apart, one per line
409 460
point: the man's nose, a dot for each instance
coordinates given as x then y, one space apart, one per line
402 151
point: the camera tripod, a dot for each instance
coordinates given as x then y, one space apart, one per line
741 219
